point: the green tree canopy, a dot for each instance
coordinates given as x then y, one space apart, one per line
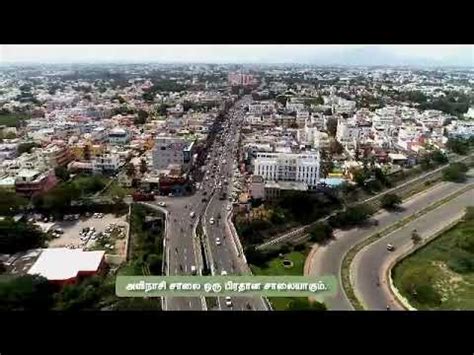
390 201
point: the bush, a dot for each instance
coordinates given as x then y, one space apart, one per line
462 264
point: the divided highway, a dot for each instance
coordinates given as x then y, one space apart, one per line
184 251
327 260
370 265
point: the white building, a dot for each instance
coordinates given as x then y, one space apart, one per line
261 107
349 133
105 163
172 151
301 167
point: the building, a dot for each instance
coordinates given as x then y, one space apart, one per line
29 182
257 187
65 266
172 151
349 133
56 155
275 189
8 151
118 136
106 163
300 167
239 79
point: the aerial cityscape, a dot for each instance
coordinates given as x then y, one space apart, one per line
217 162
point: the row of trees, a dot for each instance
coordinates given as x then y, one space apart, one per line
455 172
58 199
459 145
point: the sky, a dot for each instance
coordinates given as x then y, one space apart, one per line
317 54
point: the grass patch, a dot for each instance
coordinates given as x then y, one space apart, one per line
11 120
275 266
440 275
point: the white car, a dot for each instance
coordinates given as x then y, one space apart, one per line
192 214
223 273
218 241
228 208
228 301
162 204
211 221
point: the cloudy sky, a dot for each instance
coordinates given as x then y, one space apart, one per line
320 54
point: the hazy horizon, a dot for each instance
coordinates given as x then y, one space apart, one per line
390 55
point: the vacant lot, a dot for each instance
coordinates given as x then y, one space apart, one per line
441 274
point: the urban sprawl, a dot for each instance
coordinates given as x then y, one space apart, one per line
154 169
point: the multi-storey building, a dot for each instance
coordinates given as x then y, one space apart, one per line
106 163
172 151
32 182
301 167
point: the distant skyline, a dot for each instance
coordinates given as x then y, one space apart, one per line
440 55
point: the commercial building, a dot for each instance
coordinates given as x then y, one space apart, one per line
300 167
172 151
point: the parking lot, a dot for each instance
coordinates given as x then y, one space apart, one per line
72 229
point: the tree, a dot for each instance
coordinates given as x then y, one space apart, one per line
299 304
141 118
154 263
19 236
86 153
331 126
10 202
10 135
25 148
282 99
26 293
458 145
62 173
143 166
351 216
415 237
390 201
321 232
335 147
438 157
130 170
455 172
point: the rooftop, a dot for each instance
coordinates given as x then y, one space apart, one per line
64 264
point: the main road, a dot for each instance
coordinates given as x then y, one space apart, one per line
370 265
224 253
183 248
327 259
